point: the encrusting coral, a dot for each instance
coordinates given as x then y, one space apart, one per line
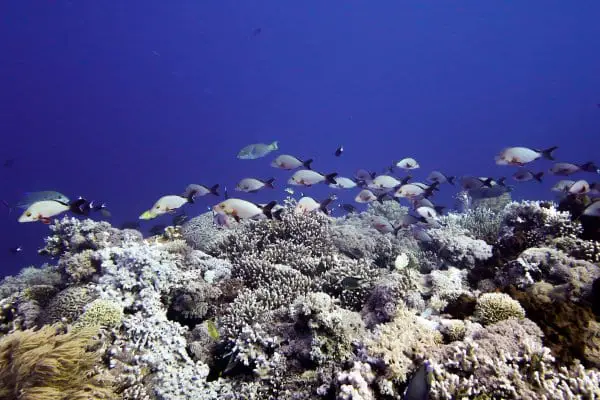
47 364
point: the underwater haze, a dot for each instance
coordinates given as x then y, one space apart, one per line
125 102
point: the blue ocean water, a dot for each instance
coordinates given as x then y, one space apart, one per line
127 101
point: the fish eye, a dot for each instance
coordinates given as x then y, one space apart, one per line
157 207
28 214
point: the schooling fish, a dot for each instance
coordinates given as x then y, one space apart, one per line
43 210
194 190
408 163
242 209
165 204
343 183
384 182
308 204
524 175
364 175
257 150
287 162
580 187
308 177
437 176
252 185
365 196
414 191
523 155
566 169
562 186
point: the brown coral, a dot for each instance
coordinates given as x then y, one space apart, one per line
49 365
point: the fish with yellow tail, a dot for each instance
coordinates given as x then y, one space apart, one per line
164 205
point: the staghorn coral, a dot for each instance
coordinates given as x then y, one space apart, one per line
49 365
495 307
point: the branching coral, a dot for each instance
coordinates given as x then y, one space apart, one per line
49 365
495 307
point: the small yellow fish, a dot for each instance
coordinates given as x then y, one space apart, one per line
211 327
165 204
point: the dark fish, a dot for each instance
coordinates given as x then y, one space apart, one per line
157 229
256 32
16 250
351 283
80 206
339 151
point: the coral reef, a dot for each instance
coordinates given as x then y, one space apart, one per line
496 302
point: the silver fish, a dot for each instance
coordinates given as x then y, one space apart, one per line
257 150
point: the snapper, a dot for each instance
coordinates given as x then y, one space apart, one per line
523 155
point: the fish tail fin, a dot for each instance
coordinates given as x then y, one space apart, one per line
269 183
225 193
267 210
450 180
191 196
405 180
323 205
214 189
439 209
588 167
275 145
381 197
547 153
501 181
307 163
7 206
277 214
429 191
538 176
330 178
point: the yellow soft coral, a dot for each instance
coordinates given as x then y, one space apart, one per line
50 365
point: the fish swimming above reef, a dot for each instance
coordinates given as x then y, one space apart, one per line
437 176
242 209
408 164
308 204
166 204
523 155
524 175
43 211
566 169
257 150
338 152
288 162
192 191
32 197
253 185
343 183
308 177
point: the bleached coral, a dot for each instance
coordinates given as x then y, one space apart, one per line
456 246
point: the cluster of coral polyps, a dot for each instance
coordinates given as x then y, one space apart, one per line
489 304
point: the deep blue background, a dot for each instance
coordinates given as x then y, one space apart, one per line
127 101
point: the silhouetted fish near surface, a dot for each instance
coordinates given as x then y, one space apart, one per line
339 151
